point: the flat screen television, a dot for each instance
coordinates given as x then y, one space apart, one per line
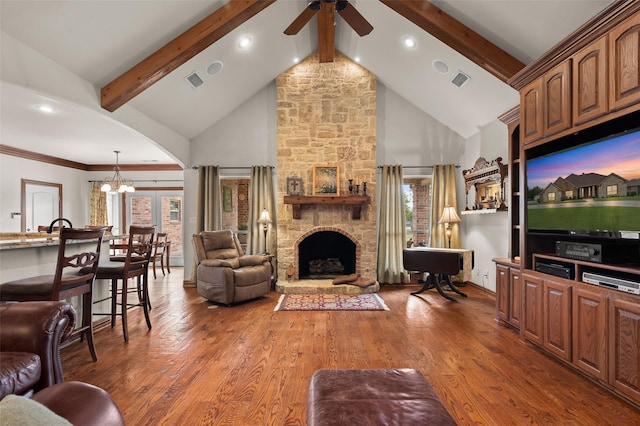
592 189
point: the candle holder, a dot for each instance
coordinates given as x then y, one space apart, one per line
364 189
357 190
351 187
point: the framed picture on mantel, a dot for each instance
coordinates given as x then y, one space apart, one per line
326 180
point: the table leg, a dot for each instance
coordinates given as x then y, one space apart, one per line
452 287
426 286
168 250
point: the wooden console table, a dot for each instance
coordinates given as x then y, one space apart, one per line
356 203
439 264
466 261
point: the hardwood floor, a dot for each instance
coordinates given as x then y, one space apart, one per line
249 365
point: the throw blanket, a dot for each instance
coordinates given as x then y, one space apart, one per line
354 279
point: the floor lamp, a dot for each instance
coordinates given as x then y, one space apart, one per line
265 220
449 216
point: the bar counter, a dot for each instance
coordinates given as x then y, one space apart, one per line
24 255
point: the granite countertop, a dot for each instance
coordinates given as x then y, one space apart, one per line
10 241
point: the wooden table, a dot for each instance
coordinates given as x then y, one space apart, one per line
440 264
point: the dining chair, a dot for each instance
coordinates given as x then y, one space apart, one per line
74 275
159 252
133 264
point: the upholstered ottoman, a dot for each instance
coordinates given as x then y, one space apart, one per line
399 396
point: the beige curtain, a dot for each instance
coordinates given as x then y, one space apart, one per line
261 196
209 207
209 204
98 208
391 227
443 194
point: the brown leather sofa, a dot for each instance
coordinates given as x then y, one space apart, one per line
30 338
225 274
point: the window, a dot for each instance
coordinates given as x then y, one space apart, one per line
569 195
175 210
417 202
612 190
236 214
551 196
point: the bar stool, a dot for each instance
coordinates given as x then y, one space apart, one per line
74 276
133 264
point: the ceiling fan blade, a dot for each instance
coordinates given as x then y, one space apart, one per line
354 18
303 18
326 32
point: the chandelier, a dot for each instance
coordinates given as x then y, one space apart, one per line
117 183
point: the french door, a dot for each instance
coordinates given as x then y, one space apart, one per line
162 209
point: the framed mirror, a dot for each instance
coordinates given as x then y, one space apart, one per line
41 204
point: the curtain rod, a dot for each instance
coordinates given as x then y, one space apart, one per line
229 167
420 167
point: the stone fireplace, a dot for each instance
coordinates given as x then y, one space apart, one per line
326 115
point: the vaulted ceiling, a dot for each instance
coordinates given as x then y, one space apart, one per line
139 52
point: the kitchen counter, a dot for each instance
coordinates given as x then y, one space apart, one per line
21 240
32 254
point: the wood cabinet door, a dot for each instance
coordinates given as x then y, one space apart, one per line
557 318
556 96
589 79
590 332
624 60
515 297
624 347
531 114
532 326
502 292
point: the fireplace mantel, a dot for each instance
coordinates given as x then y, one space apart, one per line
356 203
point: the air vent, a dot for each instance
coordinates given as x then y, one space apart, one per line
460 79
194 80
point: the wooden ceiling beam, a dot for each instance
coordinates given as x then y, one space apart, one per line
178 51
326 32
458 36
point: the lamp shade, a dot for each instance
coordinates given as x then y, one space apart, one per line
449 215
265 219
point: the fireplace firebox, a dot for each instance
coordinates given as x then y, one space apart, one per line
326 254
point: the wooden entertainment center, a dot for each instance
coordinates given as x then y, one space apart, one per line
588 84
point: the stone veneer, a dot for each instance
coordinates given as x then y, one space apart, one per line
326 115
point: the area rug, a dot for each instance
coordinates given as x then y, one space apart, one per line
331 302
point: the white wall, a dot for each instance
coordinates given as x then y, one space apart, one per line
23 66
408 136
486 234
75 194
75 187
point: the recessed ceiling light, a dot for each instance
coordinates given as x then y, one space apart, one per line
214 68
440 66
357 59
409 42
244 42
296 60
44 108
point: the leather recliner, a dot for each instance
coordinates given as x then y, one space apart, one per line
30 338
225 274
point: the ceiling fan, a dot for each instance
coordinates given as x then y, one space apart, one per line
326 23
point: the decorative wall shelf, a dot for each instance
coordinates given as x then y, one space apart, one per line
487 178
483 211
356 203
